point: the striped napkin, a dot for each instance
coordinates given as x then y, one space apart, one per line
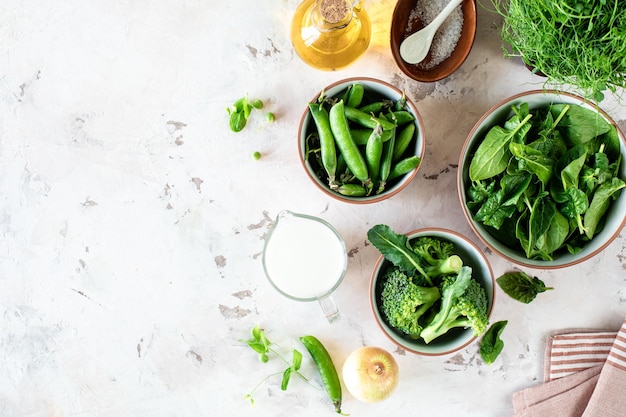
584 376
574 351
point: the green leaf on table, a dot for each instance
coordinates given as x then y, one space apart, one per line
520 286
286 377
491 344
237 121
296 362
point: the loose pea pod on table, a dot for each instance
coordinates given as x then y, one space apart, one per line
372 137
326 368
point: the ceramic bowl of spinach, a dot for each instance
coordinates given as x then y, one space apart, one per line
541 179
431 290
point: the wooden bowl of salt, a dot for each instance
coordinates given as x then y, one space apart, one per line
451 44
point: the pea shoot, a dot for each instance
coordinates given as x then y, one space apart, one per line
264 348
324 363
578 43
241 110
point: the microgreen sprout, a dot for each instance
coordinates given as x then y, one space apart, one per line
579 43
241 110
264 348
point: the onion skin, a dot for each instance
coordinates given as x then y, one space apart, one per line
370 374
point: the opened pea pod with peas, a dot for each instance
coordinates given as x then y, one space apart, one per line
359 143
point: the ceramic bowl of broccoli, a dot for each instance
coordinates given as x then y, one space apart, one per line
431 291
541 179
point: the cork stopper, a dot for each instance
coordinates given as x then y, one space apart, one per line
334 11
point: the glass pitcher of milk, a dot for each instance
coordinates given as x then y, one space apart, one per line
305 259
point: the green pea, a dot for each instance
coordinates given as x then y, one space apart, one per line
257 104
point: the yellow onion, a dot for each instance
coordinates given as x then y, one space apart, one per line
370 374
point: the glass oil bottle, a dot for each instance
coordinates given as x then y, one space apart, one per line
330 34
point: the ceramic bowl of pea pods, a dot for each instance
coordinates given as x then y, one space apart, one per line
361 140
541 179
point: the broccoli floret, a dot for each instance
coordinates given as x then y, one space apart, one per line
403 302
463 304
437 256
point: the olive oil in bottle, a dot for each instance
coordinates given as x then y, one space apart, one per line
330 34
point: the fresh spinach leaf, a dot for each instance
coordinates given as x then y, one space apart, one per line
612 143
395 248
533 161
491 344
570 165
521 287
600 203
501 205
544 210
492 156
555 237
575 206
494 212
580 124
479 192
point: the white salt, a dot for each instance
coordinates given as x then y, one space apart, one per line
447 35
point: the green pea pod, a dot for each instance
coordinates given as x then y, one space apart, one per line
402 141
405 166
326 368
327 141
345 143
402 117
401 103
361 136
374 107
342 167
352 190
374 151
386 161
367 120
355 96
346 94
